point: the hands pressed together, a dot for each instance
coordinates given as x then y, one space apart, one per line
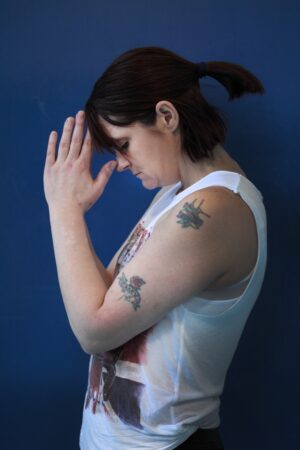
68 182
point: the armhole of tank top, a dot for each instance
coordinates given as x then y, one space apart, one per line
200 305
215 307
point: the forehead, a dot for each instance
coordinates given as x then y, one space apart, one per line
117 132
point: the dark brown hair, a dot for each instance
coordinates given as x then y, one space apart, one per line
137 80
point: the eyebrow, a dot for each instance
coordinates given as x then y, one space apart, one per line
119 139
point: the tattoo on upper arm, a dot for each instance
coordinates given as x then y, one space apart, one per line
131 290
189 215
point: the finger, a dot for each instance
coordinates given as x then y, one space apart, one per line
86 151
103 176
50 157
64 145
76 141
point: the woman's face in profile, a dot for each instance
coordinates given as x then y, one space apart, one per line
150 152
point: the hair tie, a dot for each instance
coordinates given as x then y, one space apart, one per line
201 69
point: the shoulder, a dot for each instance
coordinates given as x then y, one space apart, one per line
221 226
214 225
210 208
200 230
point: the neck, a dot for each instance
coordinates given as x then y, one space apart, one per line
220 160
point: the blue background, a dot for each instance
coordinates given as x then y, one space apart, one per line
51 54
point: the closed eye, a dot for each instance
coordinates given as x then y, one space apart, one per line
120 148
125 146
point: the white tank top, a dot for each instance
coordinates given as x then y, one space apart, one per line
156 390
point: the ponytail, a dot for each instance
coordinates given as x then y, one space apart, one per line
235 78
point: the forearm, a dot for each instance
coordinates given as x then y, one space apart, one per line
102 270
83 285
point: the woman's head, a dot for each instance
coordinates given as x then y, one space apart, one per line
132 86
151 152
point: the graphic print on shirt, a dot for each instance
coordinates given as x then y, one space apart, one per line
136 240
108 390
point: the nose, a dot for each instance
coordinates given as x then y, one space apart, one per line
122 162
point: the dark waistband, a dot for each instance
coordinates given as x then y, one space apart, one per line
203 439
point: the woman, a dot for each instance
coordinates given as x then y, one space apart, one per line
163 320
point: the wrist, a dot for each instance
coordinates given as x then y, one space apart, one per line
65 211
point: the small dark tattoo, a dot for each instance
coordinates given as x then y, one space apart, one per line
131 289
188 216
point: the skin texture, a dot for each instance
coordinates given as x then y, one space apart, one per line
130 289
189 215
192 246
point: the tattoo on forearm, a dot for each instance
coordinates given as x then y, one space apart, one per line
189 215
131 290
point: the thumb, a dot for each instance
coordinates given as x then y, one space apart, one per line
103 176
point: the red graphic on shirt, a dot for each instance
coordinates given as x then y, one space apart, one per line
109 391
134 243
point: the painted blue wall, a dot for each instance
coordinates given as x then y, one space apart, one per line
51 54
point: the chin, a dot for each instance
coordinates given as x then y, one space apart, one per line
150 184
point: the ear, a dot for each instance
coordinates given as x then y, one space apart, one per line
167 115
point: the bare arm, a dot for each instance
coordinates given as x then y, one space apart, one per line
83 290
177 262
83 280
180 259
106 273
70 190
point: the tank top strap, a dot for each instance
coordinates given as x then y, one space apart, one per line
223 178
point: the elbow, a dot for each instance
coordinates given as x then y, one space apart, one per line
93 348
83 338
87 349
96 336
98 345
94 345
90 346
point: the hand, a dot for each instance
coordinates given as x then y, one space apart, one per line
68 181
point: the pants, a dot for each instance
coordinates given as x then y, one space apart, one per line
202 439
